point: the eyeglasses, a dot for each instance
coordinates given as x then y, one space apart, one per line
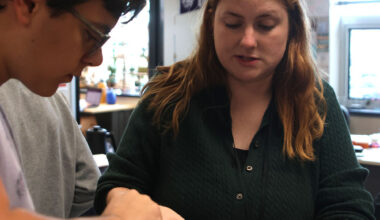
101 38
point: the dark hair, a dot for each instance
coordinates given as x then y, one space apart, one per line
116 7
2 6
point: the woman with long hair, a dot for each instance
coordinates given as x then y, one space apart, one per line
245 128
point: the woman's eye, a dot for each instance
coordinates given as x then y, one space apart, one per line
232 26
266 27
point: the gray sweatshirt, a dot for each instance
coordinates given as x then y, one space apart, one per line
59 168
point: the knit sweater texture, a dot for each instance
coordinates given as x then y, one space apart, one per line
197 173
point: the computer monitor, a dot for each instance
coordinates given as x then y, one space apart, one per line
93 97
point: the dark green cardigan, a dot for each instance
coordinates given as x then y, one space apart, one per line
197 174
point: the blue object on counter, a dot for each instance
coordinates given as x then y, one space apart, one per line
111 96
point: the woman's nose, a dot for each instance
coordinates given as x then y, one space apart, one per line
249 39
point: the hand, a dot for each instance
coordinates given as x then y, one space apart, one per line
4 202
169 214
128 204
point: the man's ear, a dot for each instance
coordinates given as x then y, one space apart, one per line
26 9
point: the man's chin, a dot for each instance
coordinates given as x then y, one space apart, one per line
68 78
47 92
43 90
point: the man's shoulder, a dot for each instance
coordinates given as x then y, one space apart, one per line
328 91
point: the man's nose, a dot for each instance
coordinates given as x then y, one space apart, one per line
94 59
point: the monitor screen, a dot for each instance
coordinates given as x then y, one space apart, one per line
364 64
93 96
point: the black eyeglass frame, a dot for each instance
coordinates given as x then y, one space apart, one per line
102 37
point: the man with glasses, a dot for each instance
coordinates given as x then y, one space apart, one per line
53 152
44 43
68 158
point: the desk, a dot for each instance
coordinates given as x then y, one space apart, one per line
101 161
370 156
370 159
113 117
123 104
104 108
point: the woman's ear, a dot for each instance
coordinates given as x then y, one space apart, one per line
25 9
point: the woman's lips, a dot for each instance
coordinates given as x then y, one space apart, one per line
247 60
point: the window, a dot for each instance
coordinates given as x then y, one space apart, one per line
364 66
125 58
354 55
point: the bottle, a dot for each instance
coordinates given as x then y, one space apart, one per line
111 96
102 86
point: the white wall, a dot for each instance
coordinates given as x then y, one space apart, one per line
318 8
69 90
180 31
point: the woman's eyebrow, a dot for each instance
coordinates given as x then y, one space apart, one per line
269 13
230 13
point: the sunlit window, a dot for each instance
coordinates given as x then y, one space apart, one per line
125 58
364 67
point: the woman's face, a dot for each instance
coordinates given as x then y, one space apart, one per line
250 38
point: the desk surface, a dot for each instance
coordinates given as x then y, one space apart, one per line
370 156
101 160
128 104
102 108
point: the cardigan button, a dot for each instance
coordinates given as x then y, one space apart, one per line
239 196
257 144
249 168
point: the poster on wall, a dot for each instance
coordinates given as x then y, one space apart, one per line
190 5
320 41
